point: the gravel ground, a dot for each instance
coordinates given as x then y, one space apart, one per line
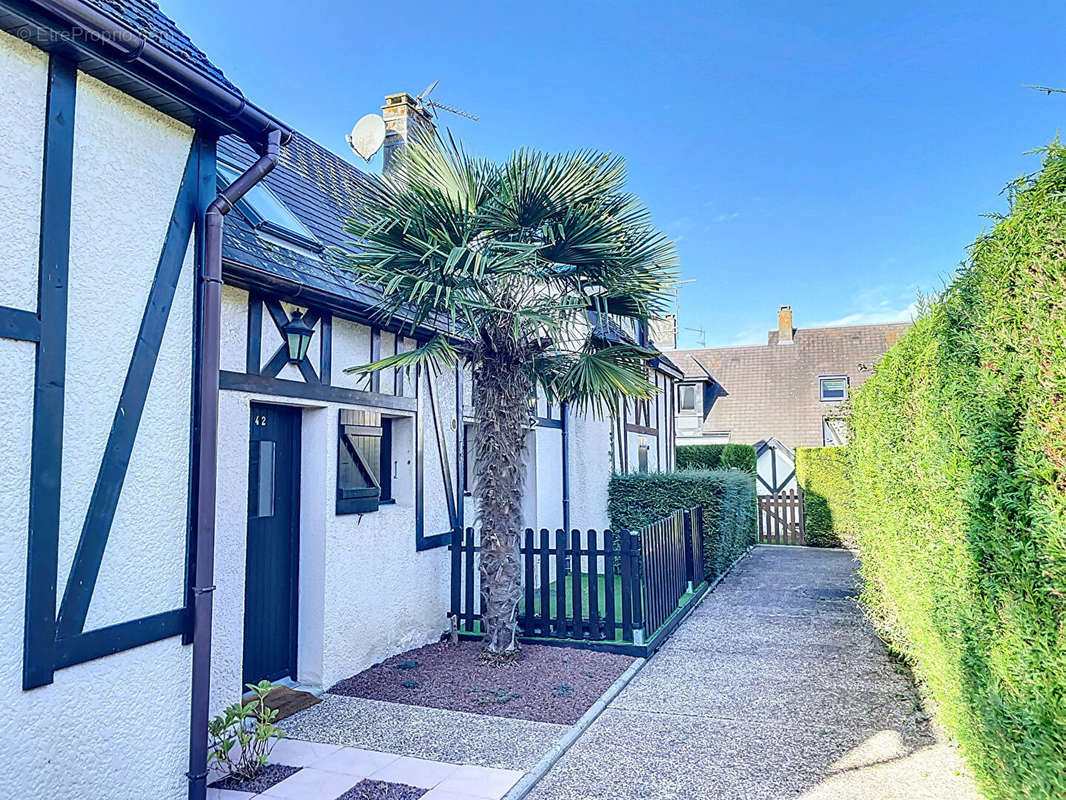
774 688
381 790
267 777
433 733
548 684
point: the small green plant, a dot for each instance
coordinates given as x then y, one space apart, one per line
409 684
409 665
243 735
563 690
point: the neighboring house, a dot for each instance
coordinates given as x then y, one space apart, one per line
778 396
642 431
149 568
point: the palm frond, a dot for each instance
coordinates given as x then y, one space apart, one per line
437 354
596 378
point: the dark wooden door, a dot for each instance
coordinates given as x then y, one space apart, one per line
273 536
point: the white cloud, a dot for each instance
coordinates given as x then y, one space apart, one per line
875 306
727 217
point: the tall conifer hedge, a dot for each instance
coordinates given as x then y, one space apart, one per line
958 467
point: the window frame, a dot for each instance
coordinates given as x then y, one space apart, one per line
681 387
359 499
821 388
304 238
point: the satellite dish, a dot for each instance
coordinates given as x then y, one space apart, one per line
367 136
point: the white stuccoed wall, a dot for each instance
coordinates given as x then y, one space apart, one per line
22 107
116 727
365 593
590 471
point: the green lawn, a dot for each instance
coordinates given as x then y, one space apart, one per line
601 595
568 604
568 609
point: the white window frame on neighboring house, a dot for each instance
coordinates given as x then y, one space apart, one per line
681 389
821 388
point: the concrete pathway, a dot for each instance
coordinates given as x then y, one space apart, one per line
776 687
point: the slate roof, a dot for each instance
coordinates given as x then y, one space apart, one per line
771 390
319 188
609 330
148 20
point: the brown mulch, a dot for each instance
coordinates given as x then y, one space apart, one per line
267 777
548 684
381 790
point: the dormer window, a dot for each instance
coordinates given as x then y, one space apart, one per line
833 388
267 213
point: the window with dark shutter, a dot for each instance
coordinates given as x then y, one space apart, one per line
364 456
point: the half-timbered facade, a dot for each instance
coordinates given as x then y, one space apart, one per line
108 171
196 494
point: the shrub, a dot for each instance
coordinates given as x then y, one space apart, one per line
822 474
699 456
243 735
716 456
959 465
727 497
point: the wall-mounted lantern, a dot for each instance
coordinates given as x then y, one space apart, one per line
297 336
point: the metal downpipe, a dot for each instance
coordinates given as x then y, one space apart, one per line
203 586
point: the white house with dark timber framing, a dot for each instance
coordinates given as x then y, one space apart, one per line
194 492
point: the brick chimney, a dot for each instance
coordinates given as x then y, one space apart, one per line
402 118
784 325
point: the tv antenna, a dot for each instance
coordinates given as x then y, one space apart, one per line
702 335
368 135
424 103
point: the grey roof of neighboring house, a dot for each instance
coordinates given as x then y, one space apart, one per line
148 20
761 391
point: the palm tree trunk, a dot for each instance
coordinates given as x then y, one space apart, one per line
501 397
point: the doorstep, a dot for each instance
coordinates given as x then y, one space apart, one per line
328 771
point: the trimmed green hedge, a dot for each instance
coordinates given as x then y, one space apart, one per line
822 474
958 463
727 497
716 456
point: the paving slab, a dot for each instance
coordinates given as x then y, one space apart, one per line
427 733
775 687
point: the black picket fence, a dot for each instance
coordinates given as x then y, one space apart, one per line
611 590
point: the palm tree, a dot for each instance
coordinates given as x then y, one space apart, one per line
513 256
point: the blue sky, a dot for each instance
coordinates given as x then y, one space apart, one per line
837 157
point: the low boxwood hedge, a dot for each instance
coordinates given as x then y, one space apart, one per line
727 497
958 462
822 474
716 456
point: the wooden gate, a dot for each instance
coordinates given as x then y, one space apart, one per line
781 518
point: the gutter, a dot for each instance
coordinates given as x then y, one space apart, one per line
104 36
211 286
